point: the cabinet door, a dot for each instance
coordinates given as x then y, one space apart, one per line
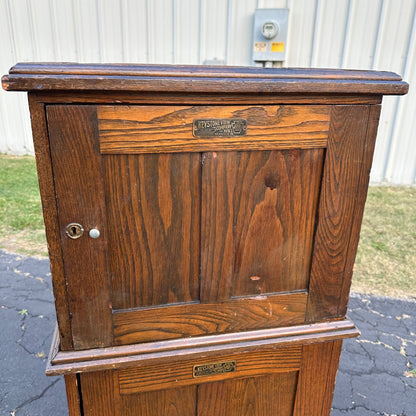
200 233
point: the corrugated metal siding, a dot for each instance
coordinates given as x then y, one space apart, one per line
361 34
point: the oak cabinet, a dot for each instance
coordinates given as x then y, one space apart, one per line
202 225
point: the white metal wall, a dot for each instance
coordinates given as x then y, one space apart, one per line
361 34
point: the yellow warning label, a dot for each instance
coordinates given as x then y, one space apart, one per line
260 46
278 46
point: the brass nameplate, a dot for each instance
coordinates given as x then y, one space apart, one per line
220 127
213 369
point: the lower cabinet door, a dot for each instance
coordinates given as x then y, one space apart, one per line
284 381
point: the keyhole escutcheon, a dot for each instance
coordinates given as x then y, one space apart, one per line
74 230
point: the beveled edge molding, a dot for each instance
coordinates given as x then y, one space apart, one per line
113 358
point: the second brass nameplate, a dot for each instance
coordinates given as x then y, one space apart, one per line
213 369
220 127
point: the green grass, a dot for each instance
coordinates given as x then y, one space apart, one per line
386 258
21 222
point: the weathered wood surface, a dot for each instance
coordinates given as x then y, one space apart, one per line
79 187
198 319
149 129
264 395
153 217
258 217
157 377
189 79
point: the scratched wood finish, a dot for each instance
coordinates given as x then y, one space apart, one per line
79 191
50 216
153 212
49 76
317 379
336 216
197 319
258 218
254 396
164 376
148 129
172 402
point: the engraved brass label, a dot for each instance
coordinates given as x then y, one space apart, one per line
213 369
220 127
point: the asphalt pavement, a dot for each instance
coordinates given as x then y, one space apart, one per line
375 375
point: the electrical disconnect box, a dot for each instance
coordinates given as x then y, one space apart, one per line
270 34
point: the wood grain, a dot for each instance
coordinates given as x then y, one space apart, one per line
317 379
199 79
254 396
128 356
73 395
153 214
172 402
148 129
336 215
244 314
258 215
174 375
100 394
367 158
79 187
50 216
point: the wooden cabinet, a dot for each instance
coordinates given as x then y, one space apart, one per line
202 225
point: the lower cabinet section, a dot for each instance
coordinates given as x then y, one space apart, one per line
287 381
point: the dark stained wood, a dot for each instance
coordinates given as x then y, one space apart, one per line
128 356
258 217
153 216
174 375
79 190
126 97
149 129
336 215
199 79
197 319
172 402
266 395
50 216
317 379
367 158
72 395
100 394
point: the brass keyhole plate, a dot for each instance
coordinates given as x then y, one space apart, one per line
74 230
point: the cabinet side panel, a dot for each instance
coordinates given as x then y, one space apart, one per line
72 395
258 216
78 174
50 215
153 211
336 216
265 395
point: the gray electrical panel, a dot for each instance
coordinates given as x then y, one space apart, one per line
270 34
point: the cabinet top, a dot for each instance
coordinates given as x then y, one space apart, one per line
197 79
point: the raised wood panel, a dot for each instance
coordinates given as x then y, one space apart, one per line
172 402
254 396
336 217
153 211
79 187
176 321
317 379
258 215
173 375
148 129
